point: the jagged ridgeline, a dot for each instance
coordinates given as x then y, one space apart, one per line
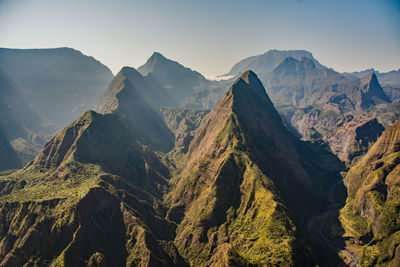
371 216
105 190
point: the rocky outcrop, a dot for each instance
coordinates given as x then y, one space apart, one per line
347 136
371 211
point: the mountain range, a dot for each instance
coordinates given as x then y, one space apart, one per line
291 164
101 166
43 90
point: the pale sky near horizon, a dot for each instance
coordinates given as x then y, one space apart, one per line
209 36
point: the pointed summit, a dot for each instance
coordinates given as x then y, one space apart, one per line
130 95
372 92
179 82
241 157
157 55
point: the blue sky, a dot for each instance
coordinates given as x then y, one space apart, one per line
209 36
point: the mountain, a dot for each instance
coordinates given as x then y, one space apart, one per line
23 132
60 83
301 84
371 214
270 60
390 81
151 92
93 195
126 95
182 84
348 137
245 184
322 104
8 157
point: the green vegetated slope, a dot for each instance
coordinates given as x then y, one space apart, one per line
103 192
93 196
243 186
371 216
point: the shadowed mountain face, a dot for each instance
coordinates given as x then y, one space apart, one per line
270 60
371 215
127 95
98 194
59 83
23 132
187 88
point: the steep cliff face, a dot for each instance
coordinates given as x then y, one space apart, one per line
347 136
371 214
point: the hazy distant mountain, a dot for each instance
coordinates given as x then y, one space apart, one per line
21 128
300 83
152 92
59 83
179 81
390 81
320 103
188 89
371 215
268 61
